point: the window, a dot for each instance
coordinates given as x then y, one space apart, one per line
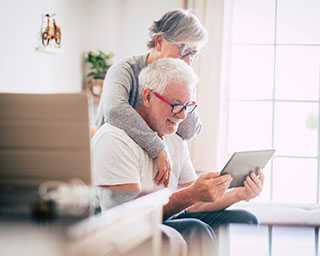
274 93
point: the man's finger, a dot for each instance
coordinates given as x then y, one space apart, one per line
253 186
255 179
210 175
223 179
224 185
261 176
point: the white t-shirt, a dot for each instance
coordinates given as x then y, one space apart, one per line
117 159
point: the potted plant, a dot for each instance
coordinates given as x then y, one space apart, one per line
100 63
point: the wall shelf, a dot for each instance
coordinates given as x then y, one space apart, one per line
49 49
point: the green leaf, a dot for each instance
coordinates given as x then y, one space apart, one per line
312 121
99 63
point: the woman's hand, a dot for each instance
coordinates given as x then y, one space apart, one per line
253 185
164 163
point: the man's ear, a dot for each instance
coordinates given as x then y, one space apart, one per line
158 40
147 97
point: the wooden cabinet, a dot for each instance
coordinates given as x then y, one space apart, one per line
94 88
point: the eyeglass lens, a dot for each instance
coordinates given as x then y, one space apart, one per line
176 109
184 52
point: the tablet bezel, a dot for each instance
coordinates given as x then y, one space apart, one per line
242 163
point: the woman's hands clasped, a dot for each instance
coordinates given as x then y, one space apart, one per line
164 163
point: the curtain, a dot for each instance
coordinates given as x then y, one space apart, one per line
204 148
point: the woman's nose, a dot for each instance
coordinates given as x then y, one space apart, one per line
187 59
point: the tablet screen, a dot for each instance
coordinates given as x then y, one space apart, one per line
242 163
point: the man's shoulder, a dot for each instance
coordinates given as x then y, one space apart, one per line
113 135
107 128
175 141
175 138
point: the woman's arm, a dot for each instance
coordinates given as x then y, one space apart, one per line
190 127
115 109
120 92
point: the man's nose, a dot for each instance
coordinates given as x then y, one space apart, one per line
182 115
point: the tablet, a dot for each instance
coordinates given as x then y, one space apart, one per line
242 163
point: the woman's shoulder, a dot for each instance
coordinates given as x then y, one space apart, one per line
137 60
134 63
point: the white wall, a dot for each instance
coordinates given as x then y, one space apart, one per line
22 69
119 26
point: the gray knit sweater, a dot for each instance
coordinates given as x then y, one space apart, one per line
120 98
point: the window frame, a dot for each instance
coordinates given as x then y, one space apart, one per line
228 63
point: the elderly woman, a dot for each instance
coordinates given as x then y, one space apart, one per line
177 34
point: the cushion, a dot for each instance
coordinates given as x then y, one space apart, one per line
283 213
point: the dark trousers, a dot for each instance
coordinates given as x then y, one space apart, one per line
198 228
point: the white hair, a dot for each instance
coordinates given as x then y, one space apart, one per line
179 26
163 72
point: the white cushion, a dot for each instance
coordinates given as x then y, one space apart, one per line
283 213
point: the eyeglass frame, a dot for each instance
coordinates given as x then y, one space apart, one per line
182 48
193 54
193 103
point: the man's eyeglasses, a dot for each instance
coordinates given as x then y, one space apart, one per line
177 108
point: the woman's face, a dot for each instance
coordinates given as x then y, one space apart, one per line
173 50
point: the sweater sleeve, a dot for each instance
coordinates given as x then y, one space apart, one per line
190 127
115 109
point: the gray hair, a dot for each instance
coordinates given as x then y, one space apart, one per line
179 26
161 73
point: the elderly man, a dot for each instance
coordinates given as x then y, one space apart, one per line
196 207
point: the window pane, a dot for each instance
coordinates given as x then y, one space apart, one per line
298 21
251 72
296 128
297 72
293 241
253 21
249 125
294 180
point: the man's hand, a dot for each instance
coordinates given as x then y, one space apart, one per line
253 185
164 163
210 187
